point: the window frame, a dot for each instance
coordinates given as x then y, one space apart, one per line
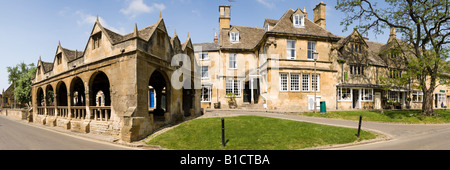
295 82
290 49
235 87
234 37
363 94
209 87
207 72
349 94
311 50
234 55
308 84
284 87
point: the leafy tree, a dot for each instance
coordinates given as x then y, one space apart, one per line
425 29
21 76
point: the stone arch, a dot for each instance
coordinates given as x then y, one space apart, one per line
99 82
159 82
61 94
49 95
77 92
40 97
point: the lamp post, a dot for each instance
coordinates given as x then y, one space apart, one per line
315 55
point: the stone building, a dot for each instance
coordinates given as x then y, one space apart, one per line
110 86
270 67
273 67
7 98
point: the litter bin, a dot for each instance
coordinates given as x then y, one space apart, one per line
323 107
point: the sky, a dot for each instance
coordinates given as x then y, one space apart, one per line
32 29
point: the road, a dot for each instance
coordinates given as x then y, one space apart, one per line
16 135
398 136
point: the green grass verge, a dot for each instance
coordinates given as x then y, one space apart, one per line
254 133
399 116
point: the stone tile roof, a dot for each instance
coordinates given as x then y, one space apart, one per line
284 25
374 57
206 47
144 34
47 66
249 37
71 54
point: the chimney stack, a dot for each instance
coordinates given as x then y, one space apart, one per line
393 34
216 40
319 14
304 11
224 18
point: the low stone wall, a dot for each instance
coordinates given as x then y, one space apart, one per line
20 114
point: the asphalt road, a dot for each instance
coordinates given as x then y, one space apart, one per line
16 135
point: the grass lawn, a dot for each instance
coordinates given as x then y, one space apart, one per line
400 116
254 133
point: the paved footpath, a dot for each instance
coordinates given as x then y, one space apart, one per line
395 136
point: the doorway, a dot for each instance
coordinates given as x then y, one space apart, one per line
356 103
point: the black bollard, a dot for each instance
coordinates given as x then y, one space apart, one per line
359 126
223 132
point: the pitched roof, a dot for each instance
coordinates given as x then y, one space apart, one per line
71 54
374 57
284 25
144 34
47 66
206 47
249 37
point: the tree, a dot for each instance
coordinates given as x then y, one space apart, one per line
21 76
424 25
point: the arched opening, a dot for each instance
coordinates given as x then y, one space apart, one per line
61 100
50 100
77 99
100 97
40 101
61 94
40 97
158 86
99 83
77 92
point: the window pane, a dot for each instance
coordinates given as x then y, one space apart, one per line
295 82
283 82
305 82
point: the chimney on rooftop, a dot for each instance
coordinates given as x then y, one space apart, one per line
319 14
216 40
224 18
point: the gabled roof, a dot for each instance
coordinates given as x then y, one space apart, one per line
285 25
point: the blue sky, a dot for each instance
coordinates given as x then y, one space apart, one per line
33 28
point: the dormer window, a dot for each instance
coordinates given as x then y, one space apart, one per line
267 27
59 59
96 39
234 36
299 20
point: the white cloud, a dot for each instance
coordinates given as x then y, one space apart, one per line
266 3
90 19
137 7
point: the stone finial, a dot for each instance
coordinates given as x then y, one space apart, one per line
136 31
175 34
188 36
160 14
97 19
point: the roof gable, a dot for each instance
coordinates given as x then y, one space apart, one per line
285 25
